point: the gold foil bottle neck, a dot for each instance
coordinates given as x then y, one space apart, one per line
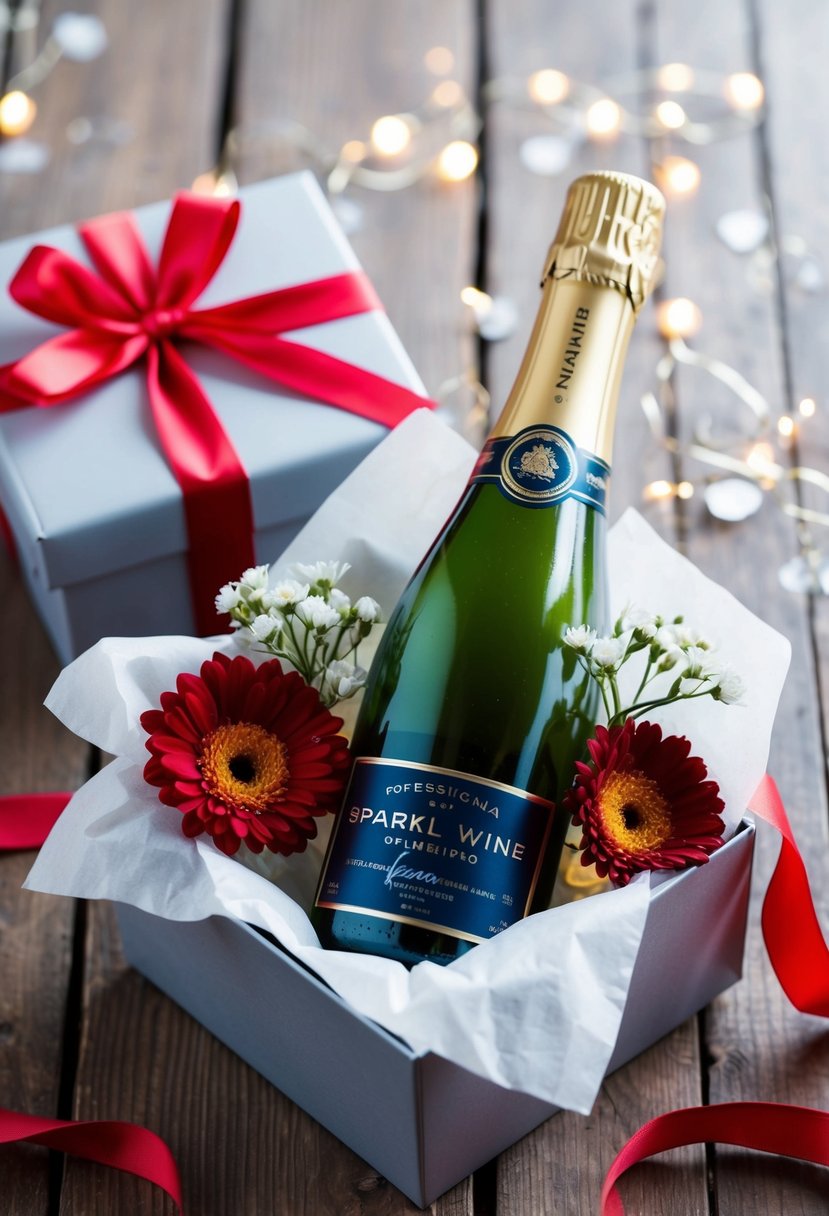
610 234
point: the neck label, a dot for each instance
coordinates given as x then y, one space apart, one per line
541 466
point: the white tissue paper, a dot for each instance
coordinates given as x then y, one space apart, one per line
536 1009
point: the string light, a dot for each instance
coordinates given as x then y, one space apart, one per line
786 426
675 78
390 135
548 87
603 119
685 490
457 161
447 94
657 490
439 60
678 318
745 91
807 407
670 115
17 112
678 175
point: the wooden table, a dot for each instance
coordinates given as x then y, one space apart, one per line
83 1036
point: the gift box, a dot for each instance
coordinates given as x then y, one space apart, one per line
96 512
422 1121
426 1073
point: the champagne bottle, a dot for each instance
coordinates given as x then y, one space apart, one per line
475 711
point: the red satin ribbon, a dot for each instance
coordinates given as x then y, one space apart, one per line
27 819
126 1146
130 309
770 1127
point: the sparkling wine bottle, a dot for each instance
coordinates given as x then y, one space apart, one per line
474 711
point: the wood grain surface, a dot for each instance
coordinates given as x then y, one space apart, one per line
81 1035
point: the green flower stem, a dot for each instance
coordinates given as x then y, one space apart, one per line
636 711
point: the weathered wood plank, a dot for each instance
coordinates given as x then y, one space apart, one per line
36 931
758 1046
335 69
161 74
560 1167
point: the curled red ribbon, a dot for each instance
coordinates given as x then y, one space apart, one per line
770 1127
126 1146
130 309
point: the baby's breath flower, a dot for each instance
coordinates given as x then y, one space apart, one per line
729 687
342 680
642 622
255 577
367 609
666 637
287 592
321 574
305 619
606 652
314 611
339 601
228 598
673 654
263 627
580 638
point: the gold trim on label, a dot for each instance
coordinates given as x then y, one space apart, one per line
453 772
407 920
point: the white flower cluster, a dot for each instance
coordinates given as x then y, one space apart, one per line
666 647
306 619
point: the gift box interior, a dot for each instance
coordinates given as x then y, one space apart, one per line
420 1120
96 513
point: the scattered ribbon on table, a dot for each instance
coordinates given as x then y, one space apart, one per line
27 819
129 310
796 948
770 1127
127 1146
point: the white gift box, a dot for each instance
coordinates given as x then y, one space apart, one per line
422 1121
96 513
428 1073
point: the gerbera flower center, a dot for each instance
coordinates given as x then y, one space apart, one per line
636 817
245 766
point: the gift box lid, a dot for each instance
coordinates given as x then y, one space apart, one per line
87 478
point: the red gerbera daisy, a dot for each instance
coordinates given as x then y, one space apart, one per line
644 803
246 754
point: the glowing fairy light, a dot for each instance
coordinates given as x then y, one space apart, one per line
685 490
761 458
215 183
603 118
457 161
745 91
17 113
439 60
353 151
807 407
670 115
675 77
548 87
679 318
390 135
475 299
678 175
786 426
447 94
657 490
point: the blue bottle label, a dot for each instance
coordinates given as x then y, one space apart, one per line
435 848
540 466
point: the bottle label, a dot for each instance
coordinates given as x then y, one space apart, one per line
540 466
435 848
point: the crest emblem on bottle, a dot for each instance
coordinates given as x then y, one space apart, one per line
540 465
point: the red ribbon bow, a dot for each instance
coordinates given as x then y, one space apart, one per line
129 310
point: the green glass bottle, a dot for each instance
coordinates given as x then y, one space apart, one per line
475 711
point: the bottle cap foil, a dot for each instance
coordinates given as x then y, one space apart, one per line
610 234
